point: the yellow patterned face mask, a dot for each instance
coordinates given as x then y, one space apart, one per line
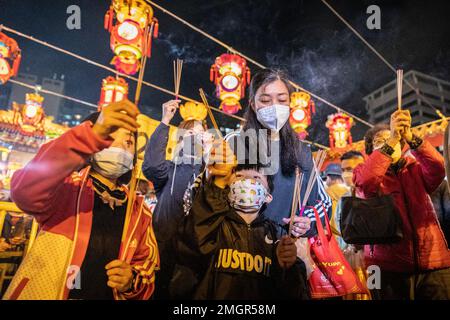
247 195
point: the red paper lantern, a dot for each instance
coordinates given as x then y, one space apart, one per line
10 57
302 108
339 125
231 75
113 90
132 33
30 117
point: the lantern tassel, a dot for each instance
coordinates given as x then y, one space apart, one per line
148 41
211 74
156 28
109 19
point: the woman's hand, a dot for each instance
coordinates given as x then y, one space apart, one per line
400 127
116 115
169 110
405 118
300 227
120 275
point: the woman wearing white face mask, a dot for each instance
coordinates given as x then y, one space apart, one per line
74 188
418 266
269 98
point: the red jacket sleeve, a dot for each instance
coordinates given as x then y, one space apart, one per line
35 187
368 176
432 167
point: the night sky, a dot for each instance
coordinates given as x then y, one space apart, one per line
302 37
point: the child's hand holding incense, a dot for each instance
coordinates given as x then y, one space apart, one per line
286 252
221 163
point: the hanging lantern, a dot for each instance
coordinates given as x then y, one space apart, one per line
10 57
231 75
131 36
193 111
29 117
113 90
302 108
339 125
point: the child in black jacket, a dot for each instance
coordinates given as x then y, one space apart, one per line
243 258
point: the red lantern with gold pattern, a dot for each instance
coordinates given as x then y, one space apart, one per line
10 57
302 108
30 117
131 35
339 125
113 90
231 75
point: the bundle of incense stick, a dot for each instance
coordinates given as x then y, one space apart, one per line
297 201
296 197
399 88
177 69
211 115
317 164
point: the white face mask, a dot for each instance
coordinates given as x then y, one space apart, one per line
273 117
112 162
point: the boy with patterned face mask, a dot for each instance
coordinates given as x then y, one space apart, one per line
240 248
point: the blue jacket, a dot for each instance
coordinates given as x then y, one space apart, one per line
283 191
163 174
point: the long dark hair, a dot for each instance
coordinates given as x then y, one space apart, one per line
289 143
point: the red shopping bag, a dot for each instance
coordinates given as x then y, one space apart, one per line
333 275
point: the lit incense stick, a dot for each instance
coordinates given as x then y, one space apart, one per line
211 116
177 69
399 88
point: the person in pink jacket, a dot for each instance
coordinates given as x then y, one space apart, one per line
417 267
74 187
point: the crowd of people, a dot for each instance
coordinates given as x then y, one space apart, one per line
222 225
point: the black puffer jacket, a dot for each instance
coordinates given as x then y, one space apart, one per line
239 259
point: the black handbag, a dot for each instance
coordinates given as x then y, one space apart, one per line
370 221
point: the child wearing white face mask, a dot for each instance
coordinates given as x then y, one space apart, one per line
84 250
241 252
